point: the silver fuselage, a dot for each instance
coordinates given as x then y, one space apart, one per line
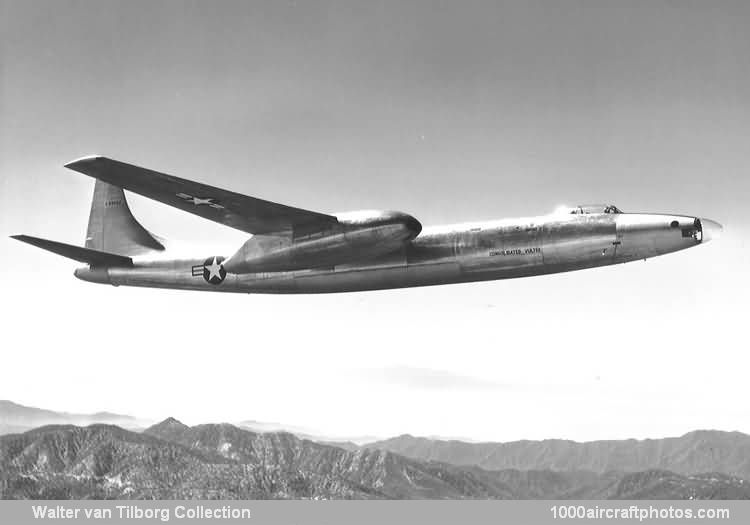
448 254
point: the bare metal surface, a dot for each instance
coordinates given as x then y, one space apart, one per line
301 251
452 254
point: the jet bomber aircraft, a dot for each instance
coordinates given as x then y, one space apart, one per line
293 250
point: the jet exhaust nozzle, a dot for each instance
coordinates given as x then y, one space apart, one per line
99 275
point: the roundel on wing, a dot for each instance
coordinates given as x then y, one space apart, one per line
213 270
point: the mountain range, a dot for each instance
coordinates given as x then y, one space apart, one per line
348 442
20 418
171 460
698 451
16 418
54 455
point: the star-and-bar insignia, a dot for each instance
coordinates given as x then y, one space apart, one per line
212 270
197 201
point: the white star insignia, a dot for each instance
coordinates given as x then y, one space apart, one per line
214 270
197 201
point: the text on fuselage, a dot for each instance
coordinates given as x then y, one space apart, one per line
516 251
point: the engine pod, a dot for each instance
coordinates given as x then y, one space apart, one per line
357 236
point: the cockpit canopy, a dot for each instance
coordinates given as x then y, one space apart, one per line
585 209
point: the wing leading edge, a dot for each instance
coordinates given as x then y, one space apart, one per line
249 214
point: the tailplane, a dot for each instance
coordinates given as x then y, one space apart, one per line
113 234
93 258
112 227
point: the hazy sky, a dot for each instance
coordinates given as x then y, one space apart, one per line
449 111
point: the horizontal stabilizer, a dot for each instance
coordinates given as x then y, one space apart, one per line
84 255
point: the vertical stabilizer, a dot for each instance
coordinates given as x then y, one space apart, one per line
112 227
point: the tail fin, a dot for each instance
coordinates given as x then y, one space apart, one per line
112 227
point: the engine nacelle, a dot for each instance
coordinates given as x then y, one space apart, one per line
356 236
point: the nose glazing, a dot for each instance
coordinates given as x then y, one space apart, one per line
711 229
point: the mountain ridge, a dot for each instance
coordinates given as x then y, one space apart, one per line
523 468
15 418
695 451
171 460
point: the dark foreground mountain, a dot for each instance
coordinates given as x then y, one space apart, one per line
699 451
19 418
173 461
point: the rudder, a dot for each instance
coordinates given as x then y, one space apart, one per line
112 227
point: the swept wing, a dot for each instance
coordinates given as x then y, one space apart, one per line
249 214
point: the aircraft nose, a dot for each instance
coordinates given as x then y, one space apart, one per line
711 229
